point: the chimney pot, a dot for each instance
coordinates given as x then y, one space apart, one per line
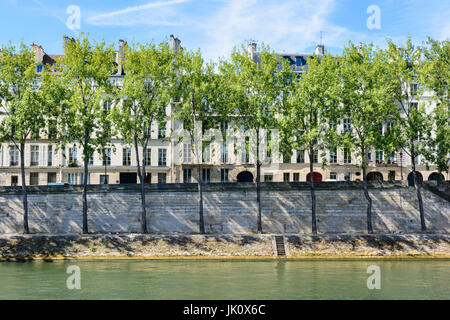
320 50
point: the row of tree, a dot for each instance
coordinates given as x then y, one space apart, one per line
370 87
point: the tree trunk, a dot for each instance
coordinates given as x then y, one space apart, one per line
85 178
142 183
26 230
258 184
313 192
368 200
417 186
200 199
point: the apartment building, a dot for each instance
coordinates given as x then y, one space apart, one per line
229 160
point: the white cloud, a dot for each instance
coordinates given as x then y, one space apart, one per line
138 15
291 25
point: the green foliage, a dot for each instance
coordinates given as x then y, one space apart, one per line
406 68
366 98
85 74
22 100
435 75
257 88
145 93
308 119
201 98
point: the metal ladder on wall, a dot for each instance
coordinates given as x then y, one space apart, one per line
279 243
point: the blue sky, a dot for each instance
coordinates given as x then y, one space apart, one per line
215 26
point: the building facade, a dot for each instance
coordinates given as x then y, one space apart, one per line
230 160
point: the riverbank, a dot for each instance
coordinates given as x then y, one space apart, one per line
138 246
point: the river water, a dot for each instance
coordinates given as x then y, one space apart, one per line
188 279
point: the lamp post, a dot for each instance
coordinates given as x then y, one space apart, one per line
105 161
401 165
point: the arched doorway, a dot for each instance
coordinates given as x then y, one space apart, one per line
374 176
411 178
245 176
317 177
436 176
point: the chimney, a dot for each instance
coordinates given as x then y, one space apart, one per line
120 57
251 48
38 53
175 44
320 50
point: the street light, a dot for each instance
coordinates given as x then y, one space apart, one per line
401 165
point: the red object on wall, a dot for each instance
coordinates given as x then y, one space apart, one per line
317 177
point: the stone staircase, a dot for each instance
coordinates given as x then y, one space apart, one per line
279 244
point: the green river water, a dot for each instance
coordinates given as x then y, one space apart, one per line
187 279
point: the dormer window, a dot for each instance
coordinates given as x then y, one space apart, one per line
39 68
300 61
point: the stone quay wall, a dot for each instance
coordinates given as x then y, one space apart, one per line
228 208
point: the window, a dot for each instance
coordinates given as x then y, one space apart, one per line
148 177
316 156
414 105
300 156
333 155
148 157
34 156
14 181
39 68
347 127
268 177
391 175
187 175
269 144
72 155
72 178
224 127
206 157
286 177
224 153
162 153
286 158
104 179
126 156
347 156
369 155
34 178
91 160
106 106
380 129
13 156
379 156
246 151
224 175
333 175
162 176
51 177
300 61
82 178
161 131
107 157
389 126
35 133
391 158
347 176
187 155
206 175
296 176
414 88
52 129
49 155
